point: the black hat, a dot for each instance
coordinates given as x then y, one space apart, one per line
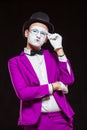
38 17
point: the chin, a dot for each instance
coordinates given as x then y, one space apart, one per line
36 47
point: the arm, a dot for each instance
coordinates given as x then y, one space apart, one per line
25 91
66 72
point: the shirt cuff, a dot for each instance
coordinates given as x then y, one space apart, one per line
50 88
62 58
64 88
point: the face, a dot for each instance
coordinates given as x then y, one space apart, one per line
37 34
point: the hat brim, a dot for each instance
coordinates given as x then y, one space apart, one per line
29 22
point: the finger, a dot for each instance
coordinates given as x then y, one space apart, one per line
52 36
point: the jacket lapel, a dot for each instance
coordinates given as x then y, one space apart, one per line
50 66
28 65
47 63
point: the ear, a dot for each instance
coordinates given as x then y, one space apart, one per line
26 33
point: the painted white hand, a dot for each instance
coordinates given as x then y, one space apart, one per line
55 40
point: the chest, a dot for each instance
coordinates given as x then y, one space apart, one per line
39 65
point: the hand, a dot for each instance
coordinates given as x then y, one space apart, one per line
59 86
55 40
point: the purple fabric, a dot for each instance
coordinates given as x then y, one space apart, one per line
52 121
29 90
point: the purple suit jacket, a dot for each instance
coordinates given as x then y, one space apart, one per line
29 90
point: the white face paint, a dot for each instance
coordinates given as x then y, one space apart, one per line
37 36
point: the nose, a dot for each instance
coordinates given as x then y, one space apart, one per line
38 35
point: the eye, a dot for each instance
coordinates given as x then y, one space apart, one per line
43 33
34 30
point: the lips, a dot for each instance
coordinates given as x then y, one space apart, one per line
37 40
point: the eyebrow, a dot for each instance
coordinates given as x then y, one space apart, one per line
46 31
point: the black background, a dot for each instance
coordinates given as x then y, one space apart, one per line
69 19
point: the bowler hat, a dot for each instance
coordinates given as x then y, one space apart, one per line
38 17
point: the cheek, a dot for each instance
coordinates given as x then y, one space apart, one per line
31 37
43 39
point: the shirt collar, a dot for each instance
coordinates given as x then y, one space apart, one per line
26 50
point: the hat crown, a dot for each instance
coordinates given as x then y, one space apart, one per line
40 16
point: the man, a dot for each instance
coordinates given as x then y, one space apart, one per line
41 78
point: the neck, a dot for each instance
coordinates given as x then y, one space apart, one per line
30 47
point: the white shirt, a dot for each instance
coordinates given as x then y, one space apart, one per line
48 103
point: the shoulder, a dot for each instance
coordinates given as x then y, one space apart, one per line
15 58
51 54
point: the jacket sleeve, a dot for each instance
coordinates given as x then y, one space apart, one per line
24 91
65 76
